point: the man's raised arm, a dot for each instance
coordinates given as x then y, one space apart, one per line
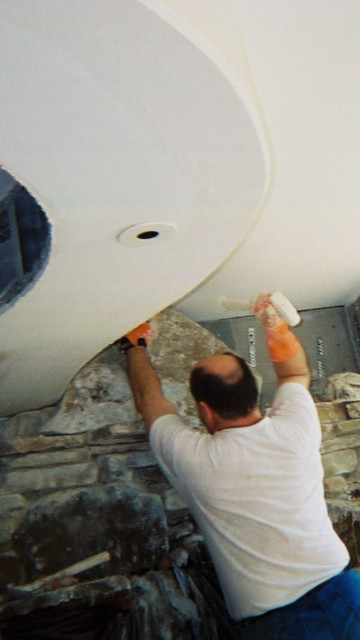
144 382
285 350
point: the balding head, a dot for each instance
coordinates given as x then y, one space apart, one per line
225 383
224 365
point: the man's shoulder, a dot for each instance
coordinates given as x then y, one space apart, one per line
292 388
171 424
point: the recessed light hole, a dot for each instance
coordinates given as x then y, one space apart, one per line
147 235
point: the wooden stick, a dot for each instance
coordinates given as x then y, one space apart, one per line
42 583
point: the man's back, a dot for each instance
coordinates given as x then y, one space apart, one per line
257 495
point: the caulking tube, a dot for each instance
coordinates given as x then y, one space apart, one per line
280 303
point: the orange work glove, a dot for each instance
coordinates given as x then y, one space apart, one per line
282 344
141 336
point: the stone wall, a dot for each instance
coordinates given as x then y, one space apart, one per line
79 478
339 414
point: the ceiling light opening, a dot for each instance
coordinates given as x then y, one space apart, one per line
157 232
147 235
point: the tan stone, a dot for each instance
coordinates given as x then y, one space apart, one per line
42 443
339 462
350 441
350 426
330 411
335 484
353 409
328 430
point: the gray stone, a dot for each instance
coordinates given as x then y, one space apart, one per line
98 395
151 478
181 530
343 386
45 458
103 379
7 527
92 591
115 466
90 417
132 433
173 501
42 443
79 523
50 478
11 502
28 423
164 609
50 458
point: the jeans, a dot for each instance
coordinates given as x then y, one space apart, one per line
331 612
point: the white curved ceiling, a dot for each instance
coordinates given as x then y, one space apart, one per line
114 115
236 122
304 59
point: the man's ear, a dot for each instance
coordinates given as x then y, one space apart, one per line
207 416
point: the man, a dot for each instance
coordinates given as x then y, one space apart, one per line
254 486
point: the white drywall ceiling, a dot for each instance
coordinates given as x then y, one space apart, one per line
304 58
113 115
209 116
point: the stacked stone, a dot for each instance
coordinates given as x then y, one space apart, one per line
79 478
339 415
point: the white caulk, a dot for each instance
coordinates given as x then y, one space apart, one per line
280 303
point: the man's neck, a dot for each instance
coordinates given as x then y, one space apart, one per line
246 421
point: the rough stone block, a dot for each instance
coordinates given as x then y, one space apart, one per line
111 468
116 589
163 607
328 430
43 443
343 386
181 530
348 426
11 502
336 484
344 441
150 477
76 524
116 466
33 460
7 528
330 411
173 501
28 423
353 409
50 478
118 433
339 462
90 417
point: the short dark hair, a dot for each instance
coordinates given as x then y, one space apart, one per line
229 400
